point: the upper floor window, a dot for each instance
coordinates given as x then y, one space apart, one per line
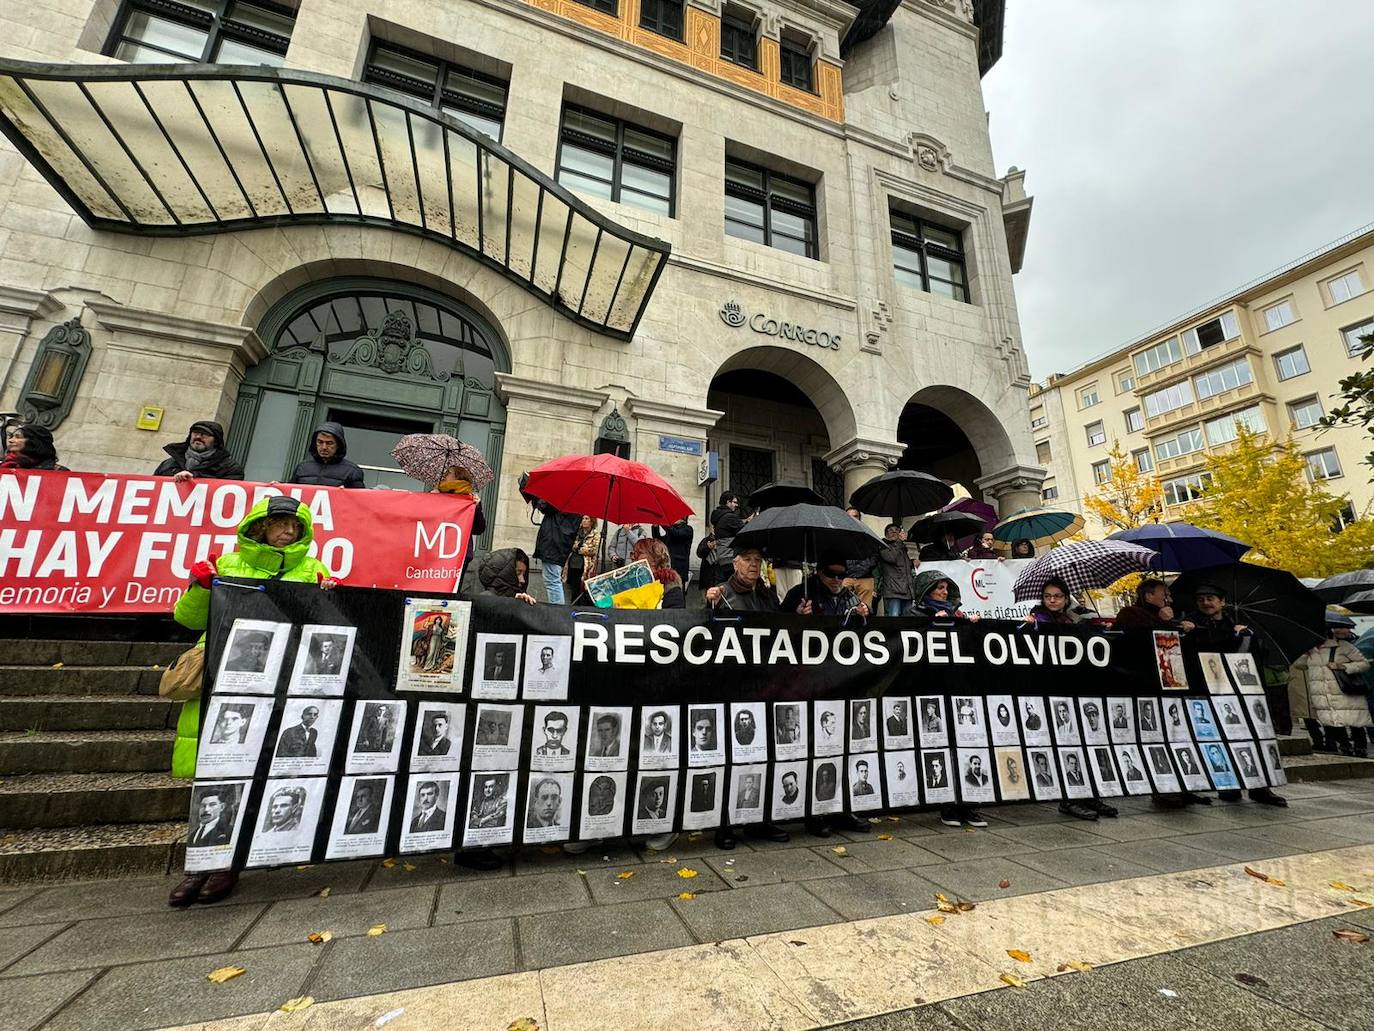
1135 422
1037 417
1096 433
1353 344
1183 489
604 6
1049 493
1305 412
1143 461
1223 429
610 158
1102 471
1168 399
739 42
770 208
928 257
472 97
1166 352
1222 378
1125 380
1345 286
1088 396
201 31
795 55
1212 332
1276 316
1042 452
1292 362
1184 443
662 16
1323 464
1344 518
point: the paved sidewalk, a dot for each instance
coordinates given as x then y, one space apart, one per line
111 955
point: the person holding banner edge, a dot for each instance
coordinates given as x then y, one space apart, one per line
273 544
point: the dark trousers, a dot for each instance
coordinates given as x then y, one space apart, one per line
1346 740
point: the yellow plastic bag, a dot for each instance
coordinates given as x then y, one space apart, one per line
649 596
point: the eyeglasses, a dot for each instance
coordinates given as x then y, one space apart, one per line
831 574
1052 595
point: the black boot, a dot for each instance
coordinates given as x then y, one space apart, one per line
1314 731
1359 742
1338 740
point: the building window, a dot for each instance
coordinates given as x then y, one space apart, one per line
1037 416
1125 380
1183 489
1323 464
1152 359
1212 332
473 98
201 31
1224 428
1276 316
1292 362
604 6
1305 412
1354 346
1096 434
1223 378
928 257
608 158
1042 452
739 43
1050 493
826 482
662 16
1185 443
795 55
1135 422
1169 399
1102 472
769 208
1088 396
1143 461
1344 518
1345 286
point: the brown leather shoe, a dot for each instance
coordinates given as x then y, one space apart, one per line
218 886
187 891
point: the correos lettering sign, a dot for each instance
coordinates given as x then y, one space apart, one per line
734 316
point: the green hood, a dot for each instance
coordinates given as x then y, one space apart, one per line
273 560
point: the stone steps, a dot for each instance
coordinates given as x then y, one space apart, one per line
88 653
26 681
85 852
87 712
1317 766
109 751
51 800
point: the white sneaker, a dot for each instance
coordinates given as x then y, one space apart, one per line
660 842
974 818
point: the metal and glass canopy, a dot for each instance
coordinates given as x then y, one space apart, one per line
190 149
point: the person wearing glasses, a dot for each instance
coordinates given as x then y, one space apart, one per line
824 594
745 590
1054 604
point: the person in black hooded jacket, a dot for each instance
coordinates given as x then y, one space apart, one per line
325 464
201 454
30 447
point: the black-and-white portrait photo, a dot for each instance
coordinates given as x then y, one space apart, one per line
287 819
1273 765
705 743
305 742
361 814
235 726
1121 717
1189 766
1175 719
863 731
438 741
1161 769
1231 713
1105 779
655 806
899 730
322 660
1074 768
252 657
902 777
790 735
608 746
937 782
930 721
547 663
1203 719
1245 672
1013 779
553 743
749 732
603 806
1035 725
975 775
789 791
970 721
490 817
1044 778
430 809
1260 717
827 793
497 664
1148 723
828 727
376 738
430 812
660 729
232 721
1003 727
548 808
1214 673
1248 765
497 736
215 812
1132 768
746 793
705 793
865 788
1064 720
1094 721
653 798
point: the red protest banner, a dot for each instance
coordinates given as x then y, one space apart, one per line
84 542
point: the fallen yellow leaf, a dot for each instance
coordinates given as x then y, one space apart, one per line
945 906
875 819
687 896
58 665
1341 886
1073 964
225 974
306 866
582 873
624 875
1020 955
523 1024
840 850
894 819
409 867
375 930
935 920
319 937
686 873
324 893
388 863
884 837
300 1002
1012 980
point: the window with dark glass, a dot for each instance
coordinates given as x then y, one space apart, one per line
928 257
604 6
770 208
662 16
610 158
201 31
472 97
795 55
738 42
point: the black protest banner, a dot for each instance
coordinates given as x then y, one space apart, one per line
357 723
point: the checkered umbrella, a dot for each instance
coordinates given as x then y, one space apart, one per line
427 456
1084 566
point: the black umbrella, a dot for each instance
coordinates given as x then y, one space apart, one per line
1363 603
902 492
1335 589
802 533
933 527
1287 616
776 495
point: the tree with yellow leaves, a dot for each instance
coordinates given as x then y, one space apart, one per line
1259 492
1129 498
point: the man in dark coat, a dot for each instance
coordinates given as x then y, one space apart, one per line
744 591
825 593
553 543
678 539
325 464
1152 609
201 454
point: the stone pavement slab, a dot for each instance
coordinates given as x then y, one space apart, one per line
895 854
1300 836
411 959
882 893
1084 865
556 939
1357 829
343 915
20 941
1164 855
982 879
761 910
1122 828
775 866
1053 836
465 901
971 844
1237 845
38 996
651 880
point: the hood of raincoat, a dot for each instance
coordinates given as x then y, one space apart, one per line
498 574
336 431
265 557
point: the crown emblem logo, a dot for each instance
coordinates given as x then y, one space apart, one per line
732 314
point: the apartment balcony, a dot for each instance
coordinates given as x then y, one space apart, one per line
1160 425
1275 425
1192 363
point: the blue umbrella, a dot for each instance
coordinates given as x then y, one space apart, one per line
1182 546
1041 526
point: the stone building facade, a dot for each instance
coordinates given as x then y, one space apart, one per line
869 319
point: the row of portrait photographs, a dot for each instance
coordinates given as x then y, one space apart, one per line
285 828
1226 673
256 649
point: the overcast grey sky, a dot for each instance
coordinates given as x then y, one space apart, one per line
1175 150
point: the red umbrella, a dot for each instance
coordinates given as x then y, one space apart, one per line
607 487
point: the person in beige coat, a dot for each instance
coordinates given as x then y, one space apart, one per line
1338 722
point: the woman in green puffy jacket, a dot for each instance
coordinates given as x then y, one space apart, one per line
274 544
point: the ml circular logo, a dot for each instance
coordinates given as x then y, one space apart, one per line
732 314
